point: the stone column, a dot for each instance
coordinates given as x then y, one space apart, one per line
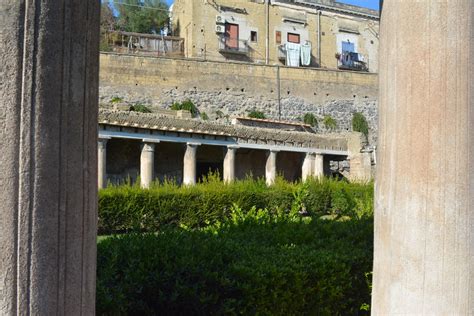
308 166
319 166
48 160
229 164
424 216
270 167
189 164
147 164
102 162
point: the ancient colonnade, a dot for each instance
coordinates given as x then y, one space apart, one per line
313 163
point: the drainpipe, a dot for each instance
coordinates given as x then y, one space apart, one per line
279 92
319 38
267 37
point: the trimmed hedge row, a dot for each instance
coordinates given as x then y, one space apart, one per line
249 267
131 209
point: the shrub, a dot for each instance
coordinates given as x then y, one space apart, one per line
310 119
187 105
256 115
359 124
116 100
204 116
140 108
254 263
329 123
131 209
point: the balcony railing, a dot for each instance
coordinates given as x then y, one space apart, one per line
229 45
352 61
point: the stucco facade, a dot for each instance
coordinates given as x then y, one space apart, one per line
261 30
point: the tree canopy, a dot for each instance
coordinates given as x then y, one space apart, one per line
141 16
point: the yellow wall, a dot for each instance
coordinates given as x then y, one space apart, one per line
202 40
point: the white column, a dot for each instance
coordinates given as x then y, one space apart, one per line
48 156
318 166
424 200
147 164
102 162
189 164
270 167
229 164
307 169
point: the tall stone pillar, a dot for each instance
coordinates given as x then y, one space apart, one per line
424 217
189 164
147 164
102 162
319 166
270 167
307 169
229 164
48 160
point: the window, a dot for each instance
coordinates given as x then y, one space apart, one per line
253 36
348 47
278 37
293 38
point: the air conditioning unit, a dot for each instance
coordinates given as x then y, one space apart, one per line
220 29
220 19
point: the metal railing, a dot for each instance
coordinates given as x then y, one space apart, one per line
233 45
144 44
345 62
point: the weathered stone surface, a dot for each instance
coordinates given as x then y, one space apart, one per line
223 90
424 219
48 160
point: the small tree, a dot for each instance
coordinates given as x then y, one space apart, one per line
187 105
359 124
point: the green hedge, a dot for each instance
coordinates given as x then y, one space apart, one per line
131 209
250 266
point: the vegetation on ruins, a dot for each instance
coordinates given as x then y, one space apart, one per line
329 123
116 100
204 116
359 124
186 105
138 107
256 115
310 119
240 248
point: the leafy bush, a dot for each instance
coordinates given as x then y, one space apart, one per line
131 209
116 100
254 263
329 123
310 119
359 124
256 115
204 116
140 108
187 105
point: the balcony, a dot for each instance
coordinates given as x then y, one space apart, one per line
229 45
352 61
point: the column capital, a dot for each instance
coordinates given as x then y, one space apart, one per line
151 141
193 144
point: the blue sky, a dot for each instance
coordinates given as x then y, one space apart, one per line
372 4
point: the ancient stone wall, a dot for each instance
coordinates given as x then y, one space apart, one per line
224 90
